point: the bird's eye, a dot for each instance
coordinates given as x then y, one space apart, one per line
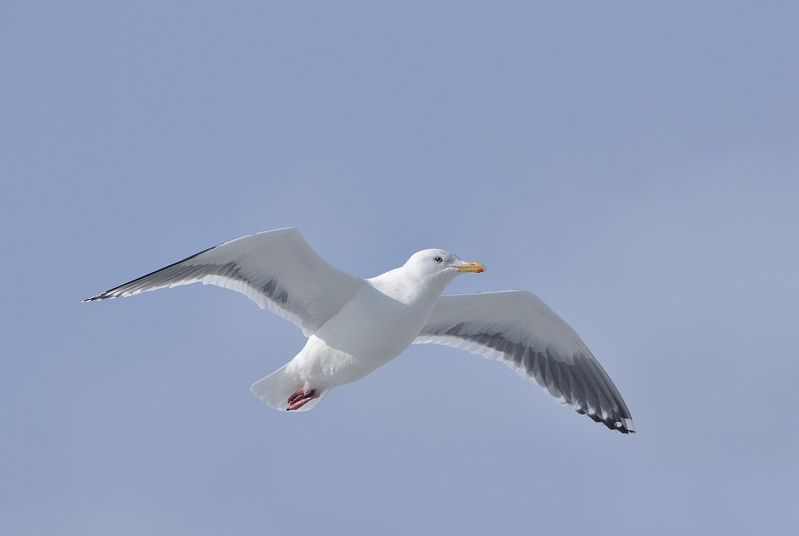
438 259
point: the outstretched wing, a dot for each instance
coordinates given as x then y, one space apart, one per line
518 329
277 270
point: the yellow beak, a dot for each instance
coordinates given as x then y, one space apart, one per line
476 267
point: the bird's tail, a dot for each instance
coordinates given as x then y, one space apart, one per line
276 389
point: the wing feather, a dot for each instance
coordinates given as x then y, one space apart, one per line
518 329
276 269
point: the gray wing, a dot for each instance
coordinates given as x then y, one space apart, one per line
277 269
518 329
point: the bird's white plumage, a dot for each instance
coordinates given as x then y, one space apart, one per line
355 326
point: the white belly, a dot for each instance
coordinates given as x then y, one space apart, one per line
366 334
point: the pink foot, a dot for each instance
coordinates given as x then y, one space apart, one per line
300 398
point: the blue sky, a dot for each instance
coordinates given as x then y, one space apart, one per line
634 165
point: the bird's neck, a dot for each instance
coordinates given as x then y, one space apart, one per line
404 287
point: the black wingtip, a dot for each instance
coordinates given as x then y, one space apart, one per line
613 421
622 425
96 298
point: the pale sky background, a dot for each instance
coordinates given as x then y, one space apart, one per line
636 165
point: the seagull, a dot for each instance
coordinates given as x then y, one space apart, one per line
356 325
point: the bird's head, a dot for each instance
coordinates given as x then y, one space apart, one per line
439 267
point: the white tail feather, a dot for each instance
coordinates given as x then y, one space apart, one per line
276 389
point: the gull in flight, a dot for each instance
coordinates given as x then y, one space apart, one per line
355 326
